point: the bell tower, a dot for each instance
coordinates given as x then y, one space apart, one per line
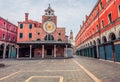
71 35
49 16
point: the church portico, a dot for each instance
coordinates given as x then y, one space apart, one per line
42 50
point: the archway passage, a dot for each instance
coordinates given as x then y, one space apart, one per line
94 43
1 50
98 41
112 37
104 39
7 52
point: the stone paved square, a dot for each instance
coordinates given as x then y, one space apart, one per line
77 69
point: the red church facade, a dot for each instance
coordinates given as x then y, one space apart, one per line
99 36
42 40
8 38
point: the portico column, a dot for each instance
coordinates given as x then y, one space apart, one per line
9 51
97 48
17 51
4 52
30 51
66 51
54 51
42 51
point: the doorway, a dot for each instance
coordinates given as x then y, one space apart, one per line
49 52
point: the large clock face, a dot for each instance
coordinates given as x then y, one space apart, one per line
49 27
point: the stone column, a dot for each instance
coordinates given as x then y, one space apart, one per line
97 49
54 51
42 51
17 51
10 49
66 51
30 51
4 52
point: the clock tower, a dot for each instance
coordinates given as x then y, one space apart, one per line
49 16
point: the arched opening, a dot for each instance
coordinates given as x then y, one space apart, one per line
13 52
1 50
7 51
49 37
98 41
112 36
38 39
119 35
90 43
94 42
59 40
104 39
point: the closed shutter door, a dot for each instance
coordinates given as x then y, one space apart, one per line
117 51
101 52
13 53
108 50
89 52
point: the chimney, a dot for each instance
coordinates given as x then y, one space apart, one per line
26 16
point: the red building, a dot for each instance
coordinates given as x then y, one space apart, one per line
99 36
8 38
42 40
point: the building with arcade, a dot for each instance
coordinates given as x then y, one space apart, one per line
8 38
99 35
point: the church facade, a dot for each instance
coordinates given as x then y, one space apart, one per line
42 40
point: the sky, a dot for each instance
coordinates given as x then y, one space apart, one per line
70 13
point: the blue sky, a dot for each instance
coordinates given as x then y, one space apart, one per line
70 13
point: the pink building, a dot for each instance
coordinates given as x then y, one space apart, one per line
42 39
8 38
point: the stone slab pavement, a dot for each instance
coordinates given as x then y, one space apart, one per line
77 69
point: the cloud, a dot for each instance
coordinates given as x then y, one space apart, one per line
70 13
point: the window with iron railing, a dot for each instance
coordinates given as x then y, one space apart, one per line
103 24
110 18
119 10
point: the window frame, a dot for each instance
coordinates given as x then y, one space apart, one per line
119 10
103 24
97 27
109 19
30 35
21 27
21 35
3 36
30 26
